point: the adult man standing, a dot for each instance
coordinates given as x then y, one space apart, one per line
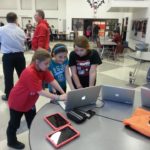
29 27
95 32
12 40
41 34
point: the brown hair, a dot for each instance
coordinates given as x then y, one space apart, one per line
41 13
11 17
40 55
82 41
58 48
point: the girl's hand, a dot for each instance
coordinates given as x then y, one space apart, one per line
53 90
63 97
55 97
79 87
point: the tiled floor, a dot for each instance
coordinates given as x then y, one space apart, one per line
110 72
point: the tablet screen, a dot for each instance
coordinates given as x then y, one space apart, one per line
56 120
62 135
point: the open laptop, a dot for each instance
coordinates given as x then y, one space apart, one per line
80 98
145 96
117 94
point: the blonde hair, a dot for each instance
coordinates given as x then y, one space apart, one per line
41 55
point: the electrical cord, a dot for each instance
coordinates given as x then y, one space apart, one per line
109 118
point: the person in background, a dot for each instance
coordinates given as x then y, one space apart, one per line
116 37
53 32
53 29
88 32
59 67
41 35
26 92
1 24
117 28
12 39
28 39
50 34
26 34
118 40
95 32
29 27
83 62
34 26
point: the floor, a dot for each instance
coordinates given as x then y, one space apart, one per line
110 72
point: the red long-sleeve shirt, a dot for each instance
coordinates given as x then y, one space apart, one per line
41 36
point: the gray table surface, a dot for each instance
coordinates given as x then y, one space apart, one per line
107 43
96 133
145 56
119 111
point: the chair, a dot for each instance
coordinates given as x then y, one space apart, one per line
119 49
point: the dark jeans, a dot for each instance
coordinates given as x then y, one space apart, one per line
14 123
12 61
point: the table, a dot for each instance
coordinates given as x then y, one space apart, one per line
140 57
105 43
60 36
119 111
96 133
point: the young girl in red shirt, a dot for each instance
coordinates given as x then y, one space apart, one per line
25 93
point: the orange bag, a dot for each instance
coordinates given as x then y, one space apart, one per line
140 121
